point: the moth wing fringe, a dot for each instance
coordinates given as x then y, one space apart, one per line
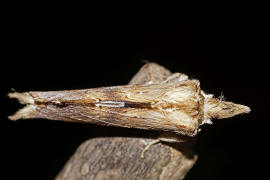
26 112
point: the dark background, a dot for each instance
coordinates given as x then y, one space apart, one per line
67 49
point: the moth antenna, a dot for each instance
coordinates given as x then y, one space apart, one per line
215 108
28 111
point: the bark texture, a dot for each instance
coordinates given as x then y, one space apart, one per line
113 158
119 158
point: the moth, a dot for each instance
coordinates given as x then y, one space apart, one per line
154 99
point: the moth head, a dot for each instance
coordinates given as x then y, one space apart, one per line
219 109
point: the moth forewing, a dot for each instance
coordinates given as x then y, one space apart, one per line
169 107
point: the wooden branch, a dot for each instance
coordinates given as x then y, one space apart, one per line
119 158
114 158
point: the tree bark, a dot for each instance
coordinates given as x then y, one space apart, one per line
113 158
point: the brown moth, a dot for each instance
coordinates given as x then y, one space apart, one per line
154 99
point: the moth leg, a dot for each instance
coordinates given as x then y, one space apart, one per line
149 145
164 137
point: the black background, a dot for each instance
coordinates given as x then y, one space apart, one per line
56 49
